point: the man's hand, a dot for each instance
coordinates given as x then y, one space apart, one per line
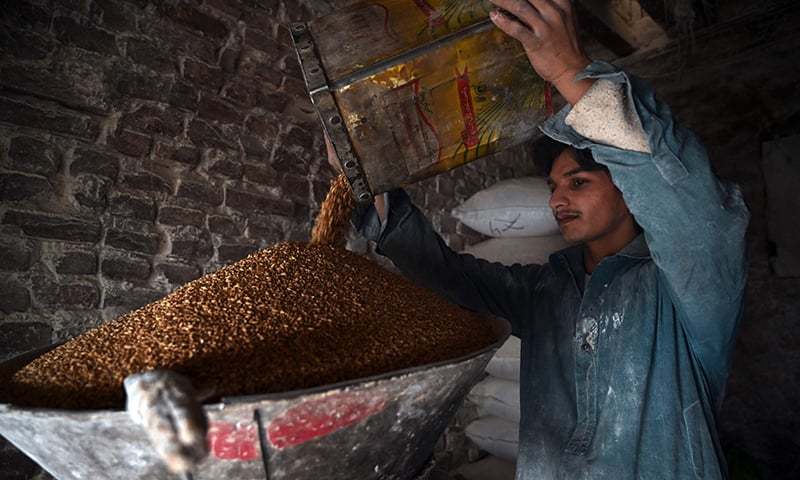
166 406
548 32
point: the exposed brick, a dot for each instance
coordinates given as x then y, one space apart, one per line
217 110
192 244
15 187
258 63
142 85
300 138
17 338
153 120
230 60
274 102
321 189
186 14
84 36
19 113
256 146
25 45
296 187
127 205
184 96
204 135
130 268
186 155
200 192
134 241
152 55
131 298
56 227
33 156
179 273
146 182
264 127
255 203
295 11
231 7
231 253
260 41
244 91
15 256
91 191
293 81
96 163
203 75
287 161
13 297
181 216
77 262
263 17
114 15
223 226
75 296
267 231
230 169
130 143
263 175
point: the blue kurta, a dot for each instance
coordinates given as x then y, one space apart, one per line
621 378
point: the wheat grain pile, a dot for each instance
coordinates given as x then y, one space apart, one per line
291 316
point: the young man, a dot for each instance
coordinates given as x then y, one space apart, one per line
626 337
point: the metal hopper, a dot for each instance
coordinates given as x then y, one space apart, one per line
382 427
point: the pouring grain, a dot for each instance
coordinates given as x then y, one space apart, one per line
287 317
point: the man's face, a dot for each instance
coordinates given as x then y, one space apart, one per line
586 204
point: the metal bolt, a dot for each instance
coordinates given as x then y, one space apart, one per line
364 196
349 164
299 27
336 120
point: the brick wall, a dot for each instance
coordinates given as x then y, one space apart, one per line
143 144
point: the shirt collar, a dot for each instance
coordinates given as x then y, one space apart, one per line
637 248
573 256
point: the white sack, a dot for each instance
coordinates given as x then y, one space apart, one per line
524 250
497 397
505 363
518 207
496 436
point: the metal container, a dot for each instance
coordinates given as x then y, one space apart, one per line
407 89
383 427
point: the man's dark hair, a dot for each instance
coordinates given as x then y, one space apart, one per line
546 150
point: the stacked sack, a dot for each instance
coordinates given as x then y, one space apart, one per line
517 215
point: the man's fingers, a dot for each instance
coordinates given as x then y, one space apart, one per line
549 10
571 19
524 11
516 30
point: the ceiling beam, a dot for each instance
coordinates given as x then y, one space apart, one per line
629 20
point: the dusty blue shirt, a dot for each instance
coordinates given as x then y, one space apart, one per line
621 378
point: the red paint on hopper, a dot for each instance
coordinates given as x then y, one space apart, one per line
322 416
234 441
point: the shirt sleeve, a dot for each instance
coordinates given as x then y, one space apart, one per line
409 240
694 223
